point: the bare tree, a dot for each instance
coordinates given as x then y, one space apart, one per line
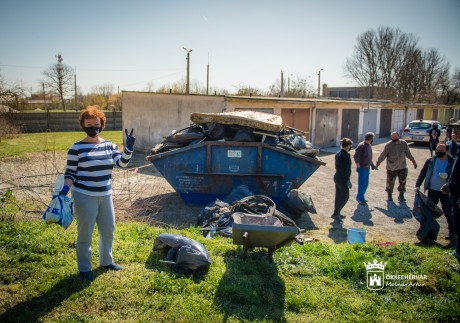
59 79
297 87
179 87
247 90
149 87
450 93
10 93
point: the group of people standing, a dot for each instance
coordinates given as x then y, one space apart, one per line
440 174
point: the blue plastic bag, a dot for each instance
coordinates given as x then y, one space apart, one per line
60 211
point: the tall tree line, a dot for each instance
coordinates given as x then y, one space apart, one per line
389 58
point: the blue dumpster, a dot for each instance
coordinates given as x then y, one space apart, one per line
203 172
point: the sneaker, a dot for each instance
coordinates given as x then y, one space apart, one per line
390 198
113 266
363 203
87 275
338 216
401 198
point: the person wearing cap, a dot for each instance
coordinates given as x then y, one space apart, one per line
435 173
449 129
363 161
434 133
395 152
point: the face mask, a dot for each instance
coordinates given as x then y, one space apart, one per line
93 132
395 140
372 141
435 127
440 154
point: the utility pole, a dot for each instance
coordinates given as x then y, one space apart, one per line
187 86
282 84
319 82
207 78
75 84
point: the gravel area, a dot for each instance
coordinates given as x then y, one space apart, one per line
142 194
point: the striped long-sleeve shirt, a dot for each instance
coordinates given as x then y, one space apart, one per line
90 165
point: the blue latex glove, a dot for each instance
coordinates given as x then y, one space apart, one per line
65 190
130 139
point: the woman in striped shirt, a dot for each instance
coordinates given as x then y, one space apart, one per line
89 173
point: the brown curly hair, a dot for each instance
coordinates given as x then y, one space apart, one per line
89 113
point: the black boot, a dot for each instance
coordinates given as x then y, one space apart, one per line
390 197
401 197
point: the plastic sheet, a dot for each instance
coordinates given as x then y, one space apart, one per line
299 202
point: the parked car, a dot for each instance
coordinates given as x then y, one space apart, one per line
417 131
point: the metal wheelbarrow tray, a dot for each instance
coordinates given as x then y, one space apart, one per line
262 231
209 170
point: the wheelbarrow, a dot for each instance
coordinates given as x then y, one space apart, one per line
264 231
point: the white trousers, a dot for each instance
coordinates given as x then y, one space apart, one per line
91 210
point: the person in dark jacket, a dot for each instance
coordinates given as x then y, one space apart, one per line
363 161
435 173
434 133
342 178
453 187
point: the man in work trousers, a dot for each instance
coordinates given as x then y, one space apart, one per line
363 161
396 151
453 187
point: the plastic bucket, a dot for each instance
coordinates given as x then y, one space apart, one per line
355 235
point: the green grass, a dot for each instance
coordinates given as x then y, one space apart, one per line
48 141
313 282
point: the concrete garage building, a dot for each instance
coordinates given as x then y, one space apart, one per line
326 121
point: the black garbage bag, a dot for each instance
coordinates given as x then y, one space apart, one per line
183 253
297 141
216 131
299 202
238 193
243 135
426 212
212 212
187 135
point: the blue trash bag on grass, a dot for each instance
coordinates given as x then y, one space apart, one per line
60 211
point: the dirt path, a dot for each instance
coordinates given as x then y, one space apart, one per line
146 196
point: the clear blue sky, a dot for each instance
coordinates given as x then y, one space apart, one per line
129 43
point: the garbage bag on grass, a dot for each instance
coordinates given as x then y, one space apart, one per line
299 202
426 212
60 211
183 253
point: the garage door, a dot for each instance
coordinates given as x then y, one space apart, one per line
385 122
370 121
326 127
398 121
350 124
297 118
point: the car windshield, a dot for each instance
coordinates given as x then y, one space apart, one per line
420 125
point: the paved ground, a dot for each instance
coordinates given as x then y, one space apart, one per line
146 196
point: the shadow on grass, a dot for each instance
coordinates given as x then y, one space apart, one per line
337 232
250 289
399 214
32 310
154 262
165 210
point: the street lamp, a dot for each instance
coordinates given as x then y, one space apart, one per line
187 86
319 81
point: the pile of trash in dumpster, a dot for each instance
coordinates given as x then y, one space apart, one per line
238 126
